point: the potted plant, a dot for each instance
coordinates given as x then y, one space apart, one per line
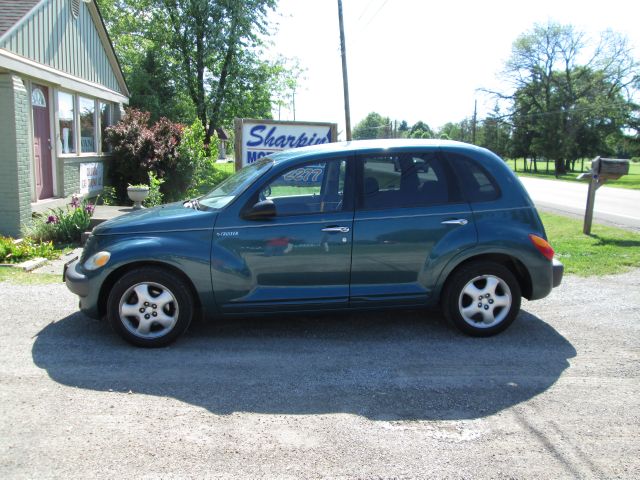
137 194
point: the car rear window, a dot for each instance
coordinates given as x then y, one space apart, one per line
477 183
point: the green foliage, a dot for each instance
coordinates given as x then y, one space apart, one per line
199 160
109 196
374 125
138 148
155 196
421 130
63 224
26 249
566 104
188 59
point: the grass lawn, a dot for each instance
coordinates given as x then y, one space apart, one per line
18 276
632 180
607 250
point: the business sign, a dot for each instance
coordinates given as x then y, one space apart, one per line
258 138
90 177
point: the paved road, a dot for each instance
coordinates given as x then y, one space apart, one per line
376 395
614 206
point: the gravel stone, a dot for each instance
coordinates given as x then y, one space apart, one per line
369 395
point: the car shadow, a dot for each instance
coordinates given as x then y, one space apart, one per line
382 365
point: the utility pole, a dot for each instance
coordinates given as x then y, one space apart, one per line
473 125
293 98
345 81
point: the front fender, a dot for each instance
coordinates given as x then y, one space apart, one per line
185 251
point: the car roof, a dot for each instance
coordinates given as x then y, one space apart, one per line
371 146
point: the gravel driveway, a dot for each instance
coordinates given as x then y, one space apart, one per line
377 395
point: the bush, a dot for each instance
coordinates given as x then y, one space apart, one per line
139 149
198 160
155 196
16 252
63 224
109 196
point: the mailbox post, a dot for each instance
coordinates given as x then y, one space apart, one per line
602 169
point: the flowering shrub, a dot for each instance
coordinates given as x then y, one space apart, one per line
63 224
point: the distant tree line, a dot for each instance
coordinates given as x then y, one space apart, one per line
570 99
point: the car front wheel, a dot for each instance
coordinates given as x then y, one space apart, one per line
149 307
482 298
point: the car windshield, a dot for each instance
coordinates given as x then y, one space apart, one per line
237 183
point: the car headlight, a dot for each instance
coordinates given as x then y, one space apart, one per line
97 260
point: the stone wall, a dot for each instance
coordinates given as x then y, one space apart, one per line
15 156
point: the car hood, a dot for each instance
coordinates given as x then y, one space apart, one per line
171 217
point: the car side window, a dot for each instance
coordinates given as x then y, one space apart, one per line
478 184
312 188
406 180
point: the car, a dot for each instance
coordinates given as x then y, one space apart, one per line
361 225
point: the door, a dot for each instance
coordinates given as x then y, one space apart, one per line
42 142
300 258
410 220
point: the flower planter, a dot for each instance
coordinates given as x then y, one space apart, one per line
137 196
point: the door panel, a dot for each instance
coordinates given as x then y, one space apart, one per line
282 263
410 221
300 259
398 254
42 142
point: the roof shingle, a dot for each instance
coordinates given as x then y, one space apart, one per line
11 11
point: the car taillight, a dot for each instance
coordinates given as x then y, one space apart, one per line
542 245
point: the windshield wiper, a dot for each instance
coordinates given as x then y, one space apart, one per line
193 203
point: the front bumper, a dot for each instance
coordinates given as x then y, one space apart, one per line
558 271
80 284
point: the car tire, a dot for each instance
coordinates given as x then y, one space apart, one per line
150 307
482 298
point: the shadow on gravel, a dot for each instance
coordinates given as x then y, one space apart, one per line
383 366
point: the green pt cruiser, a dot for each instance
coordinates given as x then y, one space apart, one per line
341 226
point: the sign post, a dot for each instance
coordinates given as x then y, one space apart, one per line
255 139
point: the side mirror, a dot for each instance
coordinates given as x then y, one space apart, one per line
263 210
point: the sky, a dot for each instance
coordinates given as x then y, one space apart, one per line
417 59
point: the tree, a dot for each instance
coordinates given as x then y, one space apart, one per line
209 52
494 134
374 125
564 107
420 130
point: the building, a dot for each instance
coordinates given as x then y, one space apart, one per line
60 86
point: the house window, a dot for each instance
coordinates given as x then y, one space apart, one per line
66 119
106 119
87 125
37 98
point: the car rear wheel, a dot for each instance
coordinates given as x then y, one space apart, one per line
150 307
482 298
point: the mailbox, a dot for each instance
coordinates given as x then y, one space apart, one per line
602 169
610 168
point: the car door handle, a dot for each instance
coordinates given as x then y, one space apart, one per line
336 229
458 221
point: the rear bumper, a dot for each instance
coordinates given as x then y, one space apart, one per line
558 271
